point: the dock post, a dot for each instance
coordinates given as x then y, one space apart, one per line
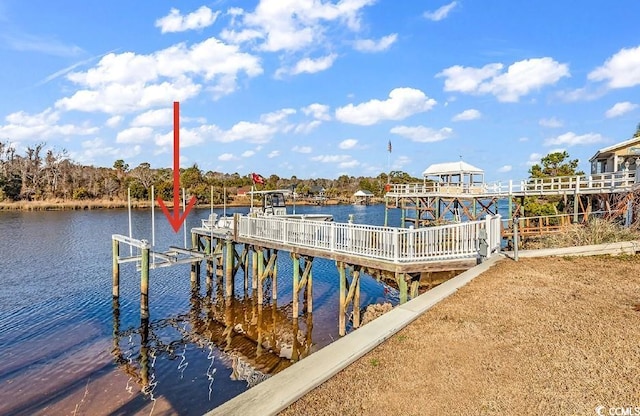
308 295
116 267
402 287
296 286
259 276
356 298
229 268
254 268
274 278
208 251
144 281
195 265
342 326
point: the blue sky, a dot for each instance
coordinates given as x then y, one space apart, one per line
317 88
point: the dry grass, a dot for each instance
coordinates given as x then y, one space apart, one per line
596 231
60 204
538 336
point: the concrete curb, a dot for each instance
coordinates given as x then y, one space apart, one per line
279 391
623 247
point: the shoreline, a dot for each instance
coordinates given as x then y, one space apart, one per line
71 205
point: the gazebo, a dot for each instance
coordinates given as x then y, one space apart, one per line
363 197
455 177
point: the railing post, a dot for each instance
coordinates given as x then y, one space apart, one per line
396 248
487 226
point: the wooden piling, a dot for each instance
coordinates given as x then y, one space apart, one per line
296 286
402 287
229 266
116 267
254 268
195 266
144 282
342 326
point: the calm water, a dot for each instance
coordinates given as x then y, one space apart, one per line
68 349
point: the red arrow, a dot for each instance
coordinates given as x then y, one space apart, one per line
176 219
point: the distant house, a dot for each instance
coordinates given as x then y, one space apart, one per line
619 157
455 177
316 190
243 191
363 197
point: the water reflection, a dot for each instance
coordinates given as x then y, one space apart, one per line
254 340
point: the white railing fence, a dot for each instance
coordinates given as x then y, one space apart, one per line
451 241
559 184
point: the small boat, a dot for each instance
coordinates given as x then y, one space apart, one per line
273 204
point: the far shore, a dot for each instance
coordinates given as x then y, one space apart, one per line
64 205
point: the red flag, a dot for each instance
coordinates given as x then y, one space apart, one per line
257 178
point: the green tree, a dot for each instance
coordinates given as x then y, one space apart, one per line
555 164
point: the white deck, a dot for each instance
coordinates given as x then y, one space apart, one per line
602 183
390 244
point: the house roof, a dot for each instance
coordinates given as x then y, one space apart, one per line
616 146
363 193
450 167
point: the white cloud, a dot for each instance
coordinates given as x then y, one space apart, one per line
114 121
157 118
226 157
332 158
247 131
296 25
572 139
301 149
277 117
423 134
619 109
523 139
309 65
134 135
505 168
402 103
318 111
347 164
466 115
348 144
248 153
176 22
520 78
274 153
440 13
127 82
42 126
306 128
188 137
370 45
622 70
550 122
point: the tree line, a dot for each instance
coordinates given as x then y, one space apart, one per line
42 174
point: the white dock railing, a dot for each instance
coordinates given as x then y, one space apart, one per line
399 245
560 184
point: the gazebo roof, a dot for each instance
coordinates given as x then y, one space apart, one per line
363 193
449 168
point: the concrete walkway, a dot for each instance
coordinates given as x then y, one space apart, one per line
279 391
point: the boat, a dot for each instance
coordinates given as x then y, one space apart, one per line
273 204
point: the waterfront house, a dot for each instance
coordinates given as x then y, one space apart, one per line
619 157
